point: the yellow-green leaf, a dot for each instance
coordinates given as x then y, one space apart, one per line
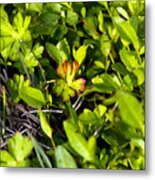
45 125
81 54
32 96
63 158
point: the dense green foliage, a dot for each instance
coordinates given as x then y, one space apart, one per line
72 85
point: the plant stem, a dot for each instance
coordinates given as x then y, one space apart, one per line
53 143
24 66
4 108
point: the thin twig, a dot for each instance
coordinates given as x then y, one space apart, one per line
31 116
5 75
3 145
45 146
7 136
76 102
27 125
9 130
78 106
57 111
24 131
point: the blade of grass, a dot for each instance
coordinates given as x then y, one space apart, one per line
42 157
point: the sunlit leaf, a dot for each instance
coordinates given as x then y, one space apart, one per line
81 54
64 49
131 110
77 141
63 158
32 96
45 125
20 147
126 31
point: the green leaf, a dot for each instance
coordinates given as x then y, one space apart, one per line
64 49
90 26
83 12
72 18
92 145
26 22
104 83
131 110
53 52
105 45
20 147
100 110
15 84
113 137
53 7
49 19
128 83
77 141
45 125
119 67
126 31
129 59
18 22
61 88
32 96
139 73
6 35
88 117
101 21
36 7
63 158
80 54
6 160
122 12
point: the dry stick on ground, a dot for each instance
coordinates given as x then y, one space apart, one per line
31 116
57 111
106 120
77 104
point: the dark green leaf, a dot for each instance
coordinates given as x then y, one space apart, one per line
118 67
72 18
114 137
49 19
53 52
